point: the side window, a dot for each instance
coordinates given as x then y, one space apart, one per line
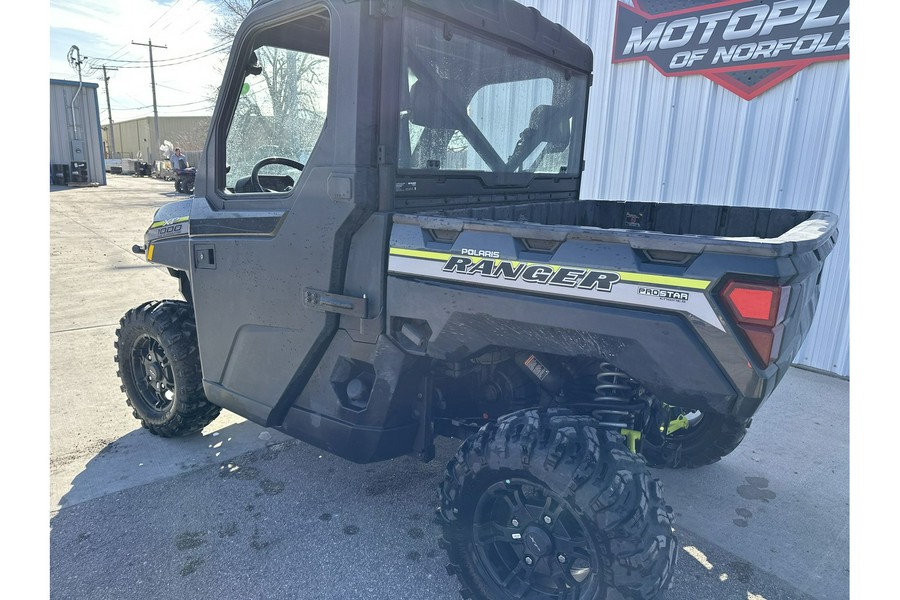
281 109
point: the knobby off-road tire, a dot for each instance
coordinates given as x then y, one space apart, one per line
705 443
159 366
546 505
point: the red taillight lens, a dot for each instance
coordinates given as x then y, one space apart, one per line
764 341
758 310
753 304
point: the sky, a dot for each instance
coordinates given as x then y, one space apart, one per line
186 71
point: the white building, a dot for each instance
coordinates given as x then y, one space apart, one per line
75 131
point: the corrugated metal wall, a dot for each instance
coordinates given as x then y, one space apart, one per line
134 138
686 139
87 119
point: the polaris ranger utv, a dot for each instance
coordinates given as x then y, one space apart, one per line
416 261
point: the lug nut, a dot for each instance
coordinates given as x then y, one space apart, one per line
548 520
562 559
515 522
529 561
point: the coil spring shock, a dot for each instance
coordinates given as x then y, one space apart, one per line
618 403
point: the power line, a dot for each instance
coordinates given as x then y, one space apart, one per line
169 87
187 10
162 62
164 105
173 64
191 92
125 46
191 26
201 109
181 112
115 52
164 14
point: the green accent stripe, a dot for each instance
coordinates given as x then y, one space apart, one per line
695 284
684 282
421 254
156 224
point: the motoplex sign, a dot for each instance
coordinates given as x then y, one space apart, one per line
747 46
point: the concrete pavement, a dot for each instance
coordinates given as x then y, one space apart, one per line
242 512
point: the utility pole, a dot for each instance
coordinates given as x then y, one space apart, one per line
150 45
112 135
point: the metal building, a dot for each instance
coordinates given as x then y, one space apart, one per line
687 139
134 138
75 132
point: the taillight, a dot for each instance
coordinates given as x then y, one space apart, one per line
758 310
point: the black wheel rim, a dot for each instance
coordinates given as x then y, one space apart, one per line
531 545
153 375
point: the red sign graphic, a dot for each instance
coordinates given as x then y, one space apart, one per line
746 46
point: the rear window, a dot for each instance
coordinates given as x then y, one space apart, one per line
472 104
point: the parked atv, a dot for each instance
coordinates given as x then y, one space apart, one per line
423 265
184 180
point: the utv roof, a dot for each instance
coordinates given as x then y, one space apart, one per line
517 23
507 19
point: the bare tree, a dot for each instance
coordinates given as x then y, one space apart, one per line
292 79
230 15
192 138
282 110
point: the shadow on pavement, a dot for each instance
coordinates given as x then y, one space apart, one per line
283 521
139 457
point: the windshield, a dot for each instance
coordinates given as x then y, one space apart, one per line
471 104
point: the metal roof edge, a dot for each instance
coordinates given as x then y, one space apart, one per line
69 82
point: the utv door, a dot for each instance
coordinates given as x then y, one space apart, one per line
278 199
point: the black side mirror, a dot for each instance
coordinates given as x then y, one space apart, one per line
253 67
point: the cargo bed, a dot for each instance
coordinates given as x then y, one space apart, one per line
689 228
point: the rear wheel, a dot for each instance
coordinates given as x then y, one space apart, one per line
707 438
159 366
177 185
543 505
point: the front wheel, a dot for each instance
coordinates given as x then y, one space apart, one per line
544 505
159 366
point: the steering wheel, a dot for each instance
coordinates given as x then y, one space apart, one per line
272 160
